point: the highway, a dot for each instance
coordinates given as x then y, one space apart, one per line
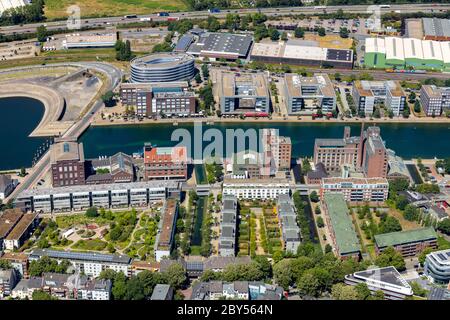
43 165
112 21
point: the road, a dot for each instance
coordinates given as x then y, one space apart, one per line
43 165
111 21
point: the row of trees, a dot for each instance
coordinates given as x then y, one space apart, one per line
33 12
123 50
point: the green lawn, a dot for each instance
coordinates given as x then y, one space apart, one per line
91 245
56 9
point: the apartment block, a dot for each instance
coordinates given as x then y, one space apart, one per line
357 190
375 154
165 237
409 243
22 231
307 95
267 188
88 263
165 163
287 217
242 92
368 94
435 100
8 220
277 150
339 223
228 226
8 280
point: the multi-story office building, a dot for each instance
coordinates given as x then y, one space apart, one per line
334 153
93 40
437 266
375 155
228 226
266 188
339 223
150 99
307 95
120 167
408 243
90 264
435 100
242 93
165 163
368 94
287 217
79 198
67 163
165 237
357 190
22 231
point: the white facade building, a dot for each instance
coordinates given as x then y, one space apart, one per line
256 188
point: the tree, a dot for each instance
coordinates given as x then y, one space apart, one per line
274 34
92 212
391 257
317 210
314 197
362 291
306 167
411 212
328 248
389 224
205 71
417 107
283 274
23 172
444 226
260 32
41 33
406 112
320 222
108 99
198 78
418 290
376 113
284 36
337 76
379 295
308 285
423 254
264 266
401 202
344 33
41 295
5 264
299 32
175 275
340 291
321 32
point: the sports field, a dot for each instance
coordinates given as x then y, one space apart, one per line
56 9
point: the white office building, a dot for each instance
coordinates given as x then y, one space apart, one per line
437 266
256 188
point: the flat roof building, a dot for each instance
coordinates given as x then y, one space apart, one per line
343 235
266 188
306 95
166 229
94 40
243 92
357 190
409 242
221 45
67 163
162 67
435 100
228 226
162 292
437 266
436 29
21 231
165 163
368 94
8 220
297 52
287 217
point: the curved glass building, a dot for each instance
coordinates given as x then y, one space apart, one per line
162 67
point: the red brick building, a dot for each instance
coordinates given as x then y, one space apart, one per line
168 163
68 163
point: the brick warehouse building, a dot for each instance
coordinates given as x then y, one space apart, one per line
169 163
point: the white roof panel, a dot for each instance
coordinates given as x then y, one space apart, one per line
375 45
413 48
303 52
445 48
394 48
432 50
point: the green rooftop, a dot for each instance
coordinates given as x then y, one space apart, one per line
402 237
345 234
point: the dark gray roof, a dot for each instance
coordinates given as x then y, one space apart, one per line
5 180
226 43
184 42
160 292
318 173
82 256
227 232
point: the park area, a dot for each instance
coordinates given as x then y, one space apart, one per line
56 9
124 232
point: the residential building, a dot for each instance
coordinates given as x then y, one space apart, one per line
228 226
214 45
246 164
91 40
267 188
408 243
120 167
368 94
22 231
165 163
386 279
305 53
162 292
19 262
139 266
7 185
8 280
237 290
315 176
277 151
397 167
8 220
375 158
67 163
338 221
90 264
307 95
80 198
287 217
435 100
166 229
437 266
357 190
242 92
25 288
94 289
